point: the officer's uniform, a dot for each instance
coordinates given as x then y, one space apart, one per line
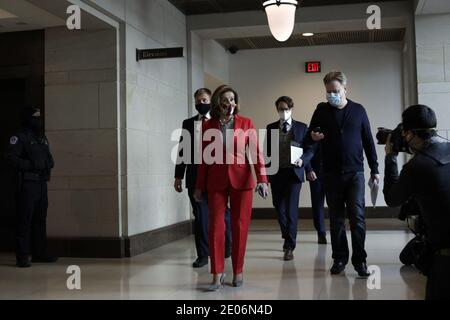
30 155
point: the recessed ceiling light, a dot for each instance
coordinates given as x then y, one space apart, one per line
307 34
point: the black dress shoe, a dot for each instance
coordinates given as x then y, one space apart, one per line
200 262
338 267
23 263
322 239
288 255
361 268
45 259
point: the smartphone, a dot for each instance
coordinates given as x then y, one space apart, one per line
318 130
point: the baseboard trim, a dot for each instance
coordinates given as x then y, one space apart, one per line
306 213
122 247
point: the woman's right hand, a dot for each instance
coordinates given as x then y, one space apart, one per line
198 195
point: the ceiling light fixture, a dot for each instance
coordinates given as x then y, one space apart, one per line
307 34
281 17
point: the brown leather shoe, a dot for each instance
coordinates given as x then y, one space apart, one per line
288 255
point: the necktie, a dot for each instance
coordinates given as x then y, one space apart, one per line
285 124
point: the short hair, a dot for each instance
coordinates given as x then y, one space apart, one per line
217 96
285 99
202 91
335 76
420 119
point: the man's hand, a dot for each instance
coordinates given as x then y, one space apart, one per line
311 176
317 136
198 195
178 185
262 189
298 162
376 178
389 145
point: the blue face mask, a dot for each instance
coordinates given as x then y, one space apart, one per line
334 99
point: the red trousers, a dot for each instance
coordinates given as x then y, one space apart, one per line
241 211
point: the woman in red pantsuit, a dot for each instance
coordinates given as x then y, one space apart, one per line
225 174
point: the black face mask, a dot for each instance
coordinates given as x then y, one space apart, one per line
36 124
203 108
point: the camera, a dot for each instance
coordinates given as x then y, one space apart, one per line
233 49
398 143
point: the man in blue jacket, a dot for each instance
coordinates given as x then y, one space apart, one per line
343 129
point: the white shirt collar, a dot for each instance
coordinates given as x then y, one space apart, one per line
289 121
207 116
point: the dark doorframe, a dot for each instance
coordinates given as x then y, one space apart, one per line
22 80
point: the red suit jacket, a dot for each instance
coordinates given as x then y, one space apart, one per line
216 176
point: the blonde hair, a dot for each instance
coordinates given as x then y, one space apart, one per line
335 76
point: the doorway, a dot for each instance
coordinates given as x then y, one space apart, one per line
21 84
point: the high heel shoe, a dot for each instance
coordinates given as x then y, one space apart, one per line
238 283
214 286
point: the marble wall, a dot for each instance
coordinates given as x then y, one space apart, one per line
156 104
433 65
81 122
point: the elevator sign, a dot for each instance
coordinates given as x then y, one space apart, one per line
163 53
313 67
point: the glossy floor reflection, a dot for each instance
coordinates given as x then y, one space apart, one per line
166 273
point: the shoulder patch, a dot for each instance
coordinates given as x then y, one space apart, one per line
13 140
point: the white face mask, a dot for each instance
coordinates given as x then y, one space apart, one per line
335 99
285 114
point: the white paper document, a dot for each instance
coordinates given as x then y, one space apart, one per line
373 185
296 153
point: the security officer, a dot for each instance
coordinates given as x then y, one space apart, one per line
426 178
30 155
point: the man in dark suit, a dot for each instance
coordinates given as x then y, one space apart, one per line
286 183
192 127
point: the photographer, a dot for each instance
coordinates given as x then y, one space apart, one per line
426 177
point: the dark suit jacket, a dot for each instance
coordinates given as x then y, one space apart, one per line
299 131
189 168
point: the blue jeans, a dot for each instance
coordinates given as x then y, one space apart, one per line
345 194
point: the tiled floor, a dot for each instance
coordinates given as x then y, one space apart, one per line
166 273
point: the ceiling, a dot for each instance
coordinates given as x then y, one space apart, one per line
329 38
21 15
194 7
432 6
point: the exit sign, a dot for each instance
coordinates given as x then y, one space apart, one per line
313 67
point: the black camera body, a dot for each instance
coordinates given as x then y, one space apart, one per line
398 143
